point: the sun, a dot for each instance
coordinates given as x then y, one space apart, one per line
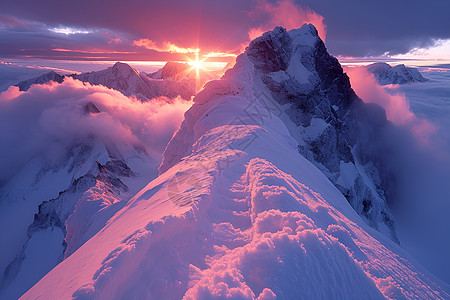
197 64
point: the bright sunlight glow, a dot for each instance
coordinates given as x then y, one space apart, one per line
196 63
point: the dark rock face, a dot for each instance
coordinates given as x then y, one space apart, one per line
45 78
299 72
333 79
270 58
90 108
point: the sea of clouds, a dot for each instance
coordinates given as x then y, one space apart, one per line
420 156
50 118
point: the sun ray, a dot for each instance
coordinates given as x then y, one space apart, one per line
197 65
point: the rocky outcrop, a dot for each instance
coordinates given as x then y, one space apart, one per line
335 129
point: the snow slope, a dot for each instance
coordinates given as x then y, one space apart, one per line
237 213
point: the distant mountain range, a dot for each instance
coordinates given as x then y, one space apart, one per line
174 79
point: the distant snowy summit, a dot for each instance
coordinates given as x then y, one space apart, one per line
127 80
400 74
44 78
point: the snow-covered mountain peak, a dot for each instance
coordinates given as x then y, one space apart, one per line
293 73
253 198
124 69
399 74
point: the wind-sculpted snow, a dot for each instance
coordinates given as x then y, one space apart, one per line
239 215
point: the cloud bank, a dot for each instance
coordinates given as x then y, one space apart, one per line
418 153
50 118
396 104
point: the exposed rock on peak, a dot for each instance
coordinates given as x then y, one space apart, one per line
335 129
272 51
90 108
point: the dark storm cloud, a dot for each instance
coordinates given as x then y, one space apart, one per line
360 28
355 28
19 38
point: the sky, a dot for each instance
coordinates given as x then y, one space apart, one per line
215 30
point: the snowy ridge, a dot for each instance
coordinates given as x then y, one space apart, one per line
400 74
298 81
334 128
239 214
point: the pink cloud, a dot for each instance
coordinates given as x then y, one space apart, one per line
395 104
11 22
287 14
49 118
164 47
